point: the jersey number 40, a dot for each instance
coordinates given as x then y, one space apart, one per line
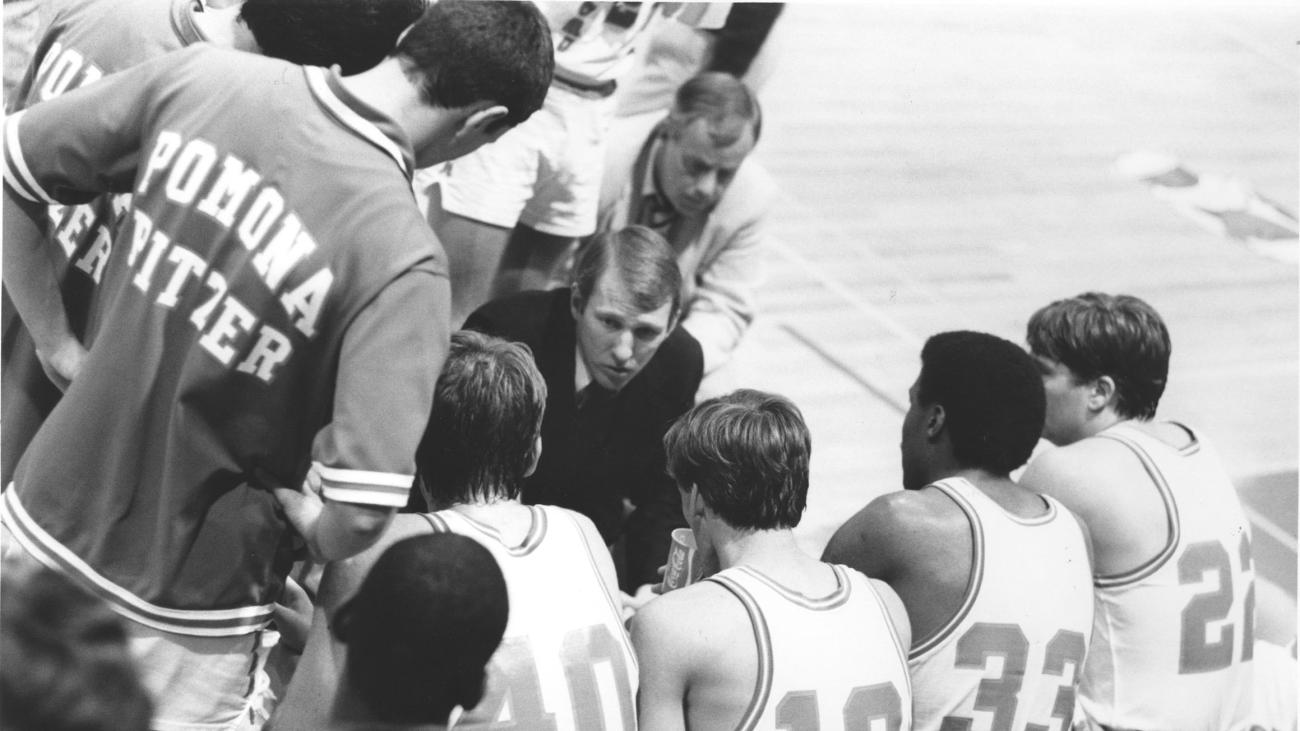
596 676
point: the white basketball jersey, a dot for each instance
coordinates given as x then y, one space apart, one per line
1011 657
1174 637
823 664
566 661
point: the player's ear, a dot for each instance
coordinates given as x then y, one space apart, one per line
694 503
673 321
671 127
535 456
1101 393
575 303
488 122
934 421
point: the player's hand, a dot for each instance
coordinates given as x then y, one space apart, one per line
293 616
307 574
633 602
63 362
302 507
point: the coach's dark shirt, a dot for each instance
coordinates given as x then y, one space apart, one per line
613 449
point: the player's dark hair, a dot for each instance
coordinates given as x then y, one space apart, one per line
468 51
748 453
992 397
66 662
355 34
1096 334
422 627
487 413
644 261
723 101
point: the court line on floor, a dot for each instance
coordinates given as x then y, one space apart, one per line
844 368
852 299
1274 531
1254 45
837 231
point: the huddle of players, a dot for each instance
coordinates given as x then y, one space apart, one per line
979 613
991 603
979 609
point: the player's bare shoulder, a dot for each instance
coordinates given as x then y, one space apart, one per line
895 530
904 512
699 606
692 623
1086 475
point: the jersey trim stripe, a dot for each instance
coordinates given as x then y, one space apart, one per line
1171 519
532 539
363 487
182 17
1043 519
536 532
838 596
976 574
16 172
436 522
1194 446
385 497
364 477
893 631
320 88
605 588
202 623
763 638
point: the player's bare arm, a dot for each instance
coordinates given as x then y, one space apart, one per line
29 277
341 578
692 644
346 529
332 530
663 642
918 542
311 692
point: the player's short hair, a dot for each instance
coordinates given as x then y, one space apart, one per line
487 414
355 34
644 261
66 661
747 452
721 99
468 51
1118 335
992 397
422 627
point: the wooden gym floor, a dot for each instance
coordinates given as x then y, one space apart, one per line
954 167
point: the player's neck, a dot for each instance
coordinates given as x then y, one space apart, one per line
940 464
764 550
1002 490
512 520
387 89
1101 421
776 555
1173 434
493 511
